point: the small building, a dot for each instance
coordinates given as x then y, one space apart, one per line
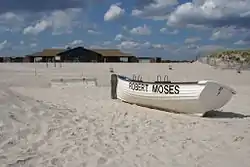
17 59
47 55
158 59
115 55
149 59
79 54
145 59
28 58
35 57
7 59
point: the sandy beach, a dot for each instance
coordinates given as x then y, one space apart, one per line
45 123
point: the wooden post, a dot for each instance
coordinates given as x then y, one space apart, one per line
35 66
113 86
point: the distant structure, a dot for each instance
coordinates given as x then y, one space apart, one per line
81 54
115 55
47 55
149 59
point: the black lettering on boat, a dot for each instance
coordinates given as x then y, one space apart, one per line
130 85
171 89
160 89
155 88
177 89
167 89
146 87
138 86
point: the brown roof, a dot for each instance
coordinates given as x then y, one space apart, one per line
112 52
48 52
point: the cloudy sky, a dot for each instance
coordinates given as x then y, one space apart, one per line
174 29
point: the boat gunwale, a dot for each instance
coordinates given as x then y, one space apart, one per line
124 78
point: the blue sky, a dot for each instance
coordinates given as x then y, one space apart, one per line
172 29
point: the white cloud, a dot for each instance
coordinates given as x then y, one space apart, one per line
161 46
125 28
242 42
33 45
107 42
221 34
114 12
225 33
212 13
74 43
6 46
94 32
226 18
166 31
24 46
132 45
192 40
3 44
209 48
145 30
59 21
157 10
199 27
193 50
11 22
218 34
121 37
128 45
139 45
38 27
174 51
10 17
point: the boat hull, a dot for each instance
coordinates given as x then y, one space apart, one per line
191 97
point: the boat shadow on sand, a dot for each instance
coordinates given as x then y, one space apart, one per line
208 114
222 114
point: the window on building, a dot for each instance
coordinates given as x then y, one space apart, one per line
124 59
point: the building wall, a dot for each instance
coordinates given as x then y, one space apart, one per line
158 60
133 59
44 59
27 59
145 60
111 58
17 59
119 59
6 59
124 59
149 59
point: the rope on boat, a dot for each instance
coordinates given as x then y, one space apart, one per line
158 78
137 78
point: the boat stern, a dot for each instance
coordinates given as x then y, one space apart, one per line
215 95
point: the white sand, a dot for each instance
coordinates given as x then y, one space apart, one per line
44 124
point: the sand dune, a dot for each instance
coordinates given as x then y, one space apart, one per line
44 124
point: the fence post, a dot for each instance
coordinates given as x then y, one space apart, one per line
113 86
